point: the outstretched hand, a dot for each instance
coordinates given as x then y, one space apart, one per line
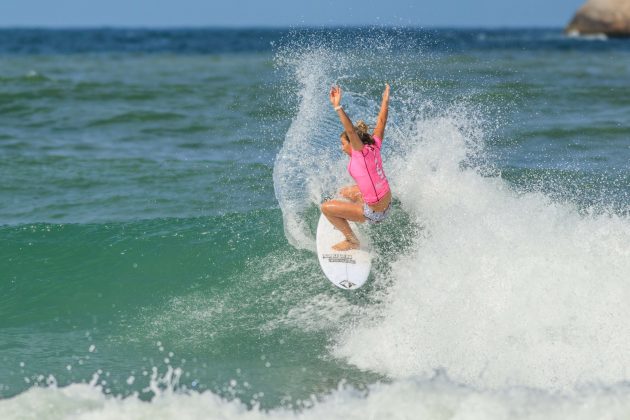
386 92
335 96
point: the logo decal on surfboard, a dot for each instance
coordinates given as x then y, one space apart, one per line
340 258
347 284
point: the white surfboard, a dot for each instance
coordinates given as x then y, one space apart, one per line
345 269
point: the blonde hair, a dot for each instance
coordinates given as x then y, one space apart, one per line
361 128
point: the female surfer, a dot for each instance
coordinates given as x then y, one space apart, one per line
370 199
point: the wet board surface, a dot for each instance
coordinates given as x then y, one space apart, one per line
344 269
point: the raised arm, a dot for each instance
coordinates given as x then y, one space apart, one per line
379 130
335 100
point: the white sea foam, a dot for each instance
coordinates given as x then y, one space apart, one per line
503 287
404 399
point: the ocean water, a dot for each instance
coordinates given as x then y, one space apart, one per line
158 200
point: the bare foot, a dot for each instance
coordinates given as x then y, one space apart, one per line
345 246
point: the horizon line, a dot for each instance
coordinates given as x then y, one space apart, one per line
275 27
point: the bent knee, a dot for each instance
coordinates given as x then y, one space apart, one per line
330 207
326 207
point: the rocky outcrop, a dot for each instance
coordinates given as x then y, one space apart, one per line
610 17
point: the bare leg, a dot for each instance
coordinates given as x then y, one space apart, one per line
338 213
